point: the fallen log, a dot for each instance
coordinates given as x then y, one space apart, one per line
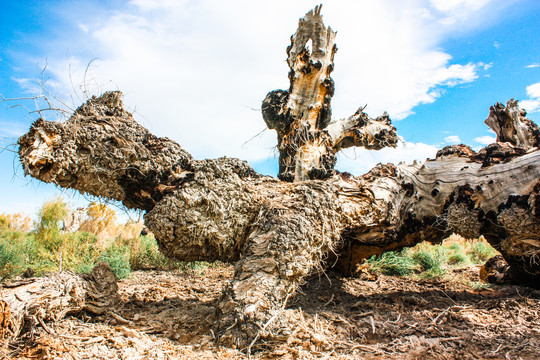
278 232
31 303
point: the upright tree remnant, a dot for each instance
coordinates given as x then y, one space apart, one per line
278 232
308 139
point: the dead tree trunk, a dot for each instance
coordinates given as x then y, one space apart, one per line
277 232
308 139
31 303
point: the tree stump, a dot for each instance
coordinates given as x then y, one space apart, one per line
308 139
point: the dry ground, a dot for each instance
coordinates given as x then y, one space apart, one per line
170 315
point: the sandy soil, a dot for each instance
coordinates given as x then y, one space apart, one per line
170 315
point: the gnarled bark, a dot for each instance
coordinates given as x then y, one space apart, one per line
130 165
308 139
30 303
277 232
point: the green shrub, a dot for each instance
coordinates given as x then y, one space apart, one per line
393 263
194 267
118 259
18 252
50 221
480 252
431 259
428 261
457 255
78 252
145 254
9 261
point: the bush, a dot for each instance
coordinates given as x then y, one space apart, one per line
50 248
480 252
457 255
118 259
79 251
145 255
50 221
393 263
428 261
15 222
18 251
431 259
9 261
100 221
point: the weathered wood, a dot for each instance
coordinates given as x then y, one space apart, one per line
277 232
130 165
511 126
308 139
32 303
455 194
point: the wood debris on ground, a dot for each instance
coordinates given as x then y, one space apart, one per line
171 315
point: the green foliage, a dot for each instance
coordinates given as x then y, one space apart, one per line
118 259
18 251
195 267
480 252
48 248
393 263
8 260
457 256
145 255
50 220
432 261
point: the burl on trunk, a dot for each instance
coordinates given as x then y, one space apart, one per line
278 232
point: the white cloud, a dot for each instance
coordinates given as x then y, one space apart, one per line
455 11
534 65
452 139
194 69
533 103
534 90
486 67
461 6
485 140
360 161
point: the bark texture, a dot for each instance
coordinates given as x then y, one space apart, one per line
130 165
277 232
30 303
308 139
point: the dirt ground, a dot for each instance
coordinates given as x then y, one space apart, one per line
170 315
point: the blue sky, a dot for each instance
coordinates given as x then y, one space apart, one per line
188 67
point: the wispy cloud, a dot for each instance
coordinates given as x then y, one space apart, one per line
452 139
533 103
485 140
455 11
534 65
486 67
359 161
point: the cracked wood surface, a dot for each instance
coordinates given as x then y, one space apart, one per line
308 138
